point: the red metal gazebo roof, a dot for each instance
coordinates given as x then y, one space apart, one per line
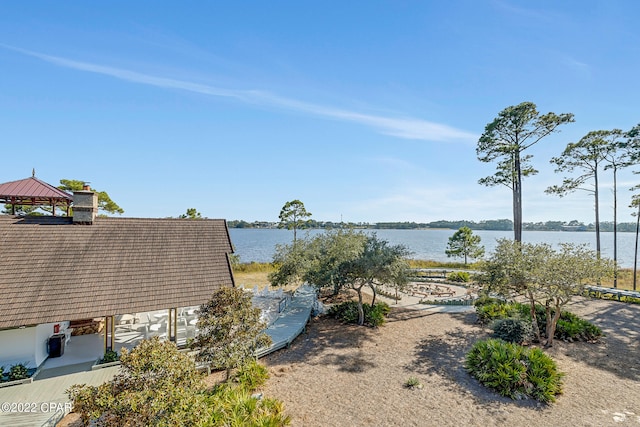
31 191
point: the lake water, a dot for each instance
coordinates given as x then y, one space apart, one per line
259 244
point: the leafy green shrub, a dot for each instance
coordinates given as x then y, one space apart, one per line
512 329
514 371
18 372
251 375
459 276
230 330
496 310
347 312
570 327
109 356
375 315
1 373
231 405
157 385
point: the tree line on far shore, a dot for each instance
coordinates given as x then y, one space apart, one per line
494 225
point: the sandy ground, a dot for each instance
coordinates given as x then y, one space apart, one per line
339 375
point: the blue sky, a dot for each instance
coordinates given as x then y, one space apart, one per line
365 111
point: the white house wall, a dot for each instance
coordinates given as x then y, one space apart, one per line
26 345
18 346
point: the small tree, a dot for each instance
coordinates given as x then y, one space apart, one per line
328 252
509 271
291 262
105 203
156 385
345 260
544 276
292 216
192 213
378 264
464 244
562 275
230 330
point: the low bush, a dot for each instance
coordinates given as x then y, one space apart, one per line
514 371
251 375
348 312
18 372
109 356
375 315
157 385
1 373
513 329
491 311
459 276
230 405
570 327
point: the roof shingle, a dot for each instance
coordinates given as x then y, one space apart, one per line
53 270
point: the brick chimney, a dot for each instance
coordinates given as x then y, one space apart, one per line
85 206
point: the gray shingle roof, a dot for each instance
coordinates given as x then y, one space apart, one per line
52 270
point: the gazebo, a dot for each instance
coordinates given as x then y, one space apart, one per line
34 192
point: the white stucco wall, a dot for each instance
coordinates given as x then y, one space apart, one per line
26 345
18 346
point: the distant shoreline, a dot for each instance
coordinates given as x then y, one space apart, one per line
490 225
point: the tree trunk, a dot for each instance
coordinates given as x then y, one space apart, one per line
373 289
517 199
336 287
552 322
534 317
615 228
597 208
635 253
360 309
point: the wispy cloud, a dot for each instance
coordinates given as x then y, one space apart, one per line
524 12
401 127
579 68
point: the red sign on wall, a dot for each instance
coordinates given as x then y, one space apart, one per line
56 328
